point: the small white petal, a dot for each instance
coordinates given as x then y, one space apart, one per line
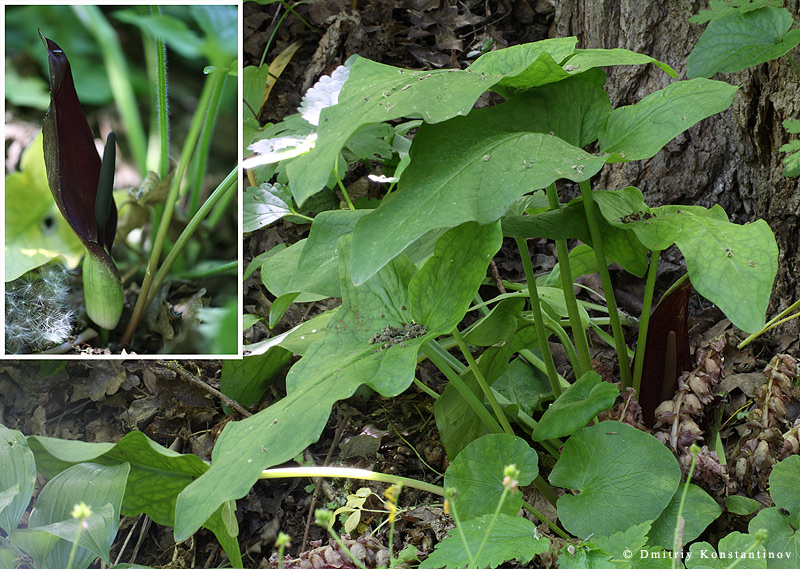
276 149
382 179
276 144
324 93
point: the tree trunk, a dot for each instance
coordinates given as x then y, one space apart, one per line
732 158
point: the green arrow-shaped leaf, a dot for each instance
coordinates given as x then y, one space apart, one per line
639 131
375 93
332 369
742 40
726 262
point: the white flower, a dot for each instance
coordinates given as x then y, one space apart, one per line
324 93
276 149
382 179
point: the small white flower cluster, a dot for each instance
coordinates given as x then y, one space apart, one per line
325 93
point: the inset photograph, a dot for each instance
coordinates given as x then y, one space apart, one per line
121 189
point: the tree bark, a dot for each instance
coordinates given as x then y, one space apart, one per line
732 158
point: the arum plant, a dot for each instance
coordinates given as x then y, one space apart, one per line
81 184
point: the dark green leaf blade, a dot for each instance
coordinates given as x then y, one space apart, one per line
375 93
703 555
477 474
96 486
704 510
747 255
569 222
157 474
318 265
515 60
440 293
18 473
585 59
783 484
741 40
639 131
783 545
510 538
246 380
264 205
492 158
578 405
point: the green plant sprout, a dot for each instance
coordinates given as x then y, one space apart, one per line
281 542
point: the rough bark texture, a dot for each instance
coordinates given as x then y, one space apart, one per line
731 158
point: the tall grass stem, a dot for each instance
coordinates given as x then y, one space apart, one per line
119 78
158 243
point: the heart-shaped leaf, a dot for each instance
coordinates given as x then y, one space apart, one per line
783 484
477 474
704 510
509 537
783 545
